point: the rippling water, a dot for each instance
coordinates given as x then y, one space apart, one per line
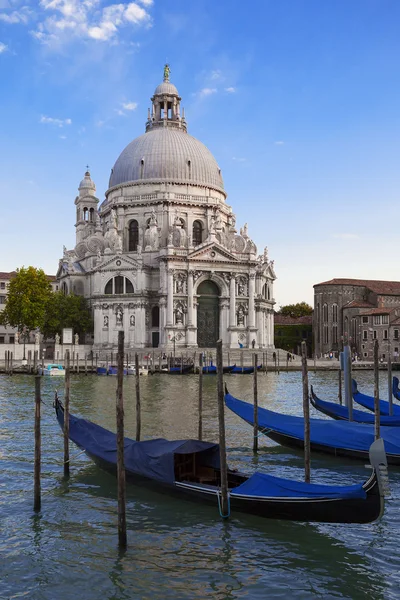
176 548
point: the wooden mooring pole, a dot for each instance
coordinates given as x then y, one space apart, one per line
66 412
255 394
200 396
121 483
389 366
137 382
376 391
224 508
37 502
306 413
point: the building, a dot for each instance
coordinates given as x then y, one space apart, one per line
8 335
161 258
291 331
359 312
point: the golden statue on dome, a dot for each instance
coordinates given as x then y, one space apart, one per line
167 71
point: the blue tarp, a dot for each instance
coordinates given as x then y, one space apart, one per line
153 458
359 416
369 402
395 388
334 434
263 485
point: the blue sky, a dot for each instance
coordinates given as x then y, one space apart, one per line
298 100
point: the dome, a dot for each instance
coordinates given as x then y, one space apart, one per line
87 184
166 88
167 154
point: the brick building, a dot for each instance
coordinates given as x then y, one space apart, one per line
359 311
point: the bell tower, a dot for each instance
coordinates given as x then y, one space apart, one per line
166 103
87 218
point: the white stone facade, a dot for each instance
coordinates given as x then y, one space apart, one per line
161 257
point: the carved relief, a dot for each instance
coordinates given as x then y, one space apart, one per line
242 286
119 314
241 312
180 283
180 309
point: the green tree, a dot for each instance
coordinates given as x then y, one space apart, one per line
28 294
301 309
67 311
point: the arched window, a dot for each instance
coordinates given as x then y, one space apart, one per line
91 215
119 285
133 236
64 288
85 213
155 316
197 233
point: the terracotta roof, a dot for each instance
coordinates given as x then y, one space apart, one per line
13 274
378 311
396 321
379 287
286 320
7 275
358 304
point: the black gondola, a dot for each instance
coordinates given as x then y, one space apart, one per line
190 469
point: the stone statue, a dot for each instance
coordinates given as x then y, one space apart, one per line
167 72
57 338
212 225
98 254
76 337
119 314
118 244
179 315
240 316
139 250
170 238
16 338
105 321
132 320
179 286
218 222
153 218
114 218
245 230
64 250
37 338
240 288
266 254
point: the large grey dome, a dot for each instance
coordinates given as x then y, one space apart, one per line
167 154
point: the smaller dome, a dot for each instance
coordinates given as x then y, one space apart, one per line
86 184
166 88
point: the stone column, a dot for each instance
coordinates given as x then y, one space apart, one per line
190 298
170 298
232 302
252 278
163 320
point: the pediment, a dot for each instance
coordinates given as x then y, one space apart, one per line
269 270
118 262
212 252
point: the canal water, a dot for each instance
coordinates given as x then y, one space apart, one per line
177 549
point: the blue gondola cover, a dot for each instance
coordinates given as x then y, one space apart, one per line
261 484
153 458
369 402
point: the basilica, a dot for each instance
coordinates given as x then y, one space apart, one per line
160 257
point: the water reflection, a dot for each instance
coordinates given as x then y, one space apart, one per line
177 549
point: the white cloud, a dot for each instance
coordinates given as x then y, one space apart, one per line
62 137
3 47
279 143
17 16
129 105
85 19
207 91
57 122
146 2
239 159
216 74
230 90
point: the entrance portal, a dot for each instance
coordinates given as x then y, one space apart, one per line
207 314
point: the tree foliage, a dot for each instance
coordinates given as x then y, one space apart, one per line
28 294
301 309
67 311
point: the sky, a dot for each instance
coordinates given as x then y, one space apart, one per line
298 100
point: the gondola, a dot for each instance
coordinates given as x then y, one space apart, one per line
191 469
339 438
369 402
212 369
395 388
341 412
244 370
185 370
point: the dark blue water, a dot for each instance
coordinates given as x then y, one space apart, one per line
177 549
